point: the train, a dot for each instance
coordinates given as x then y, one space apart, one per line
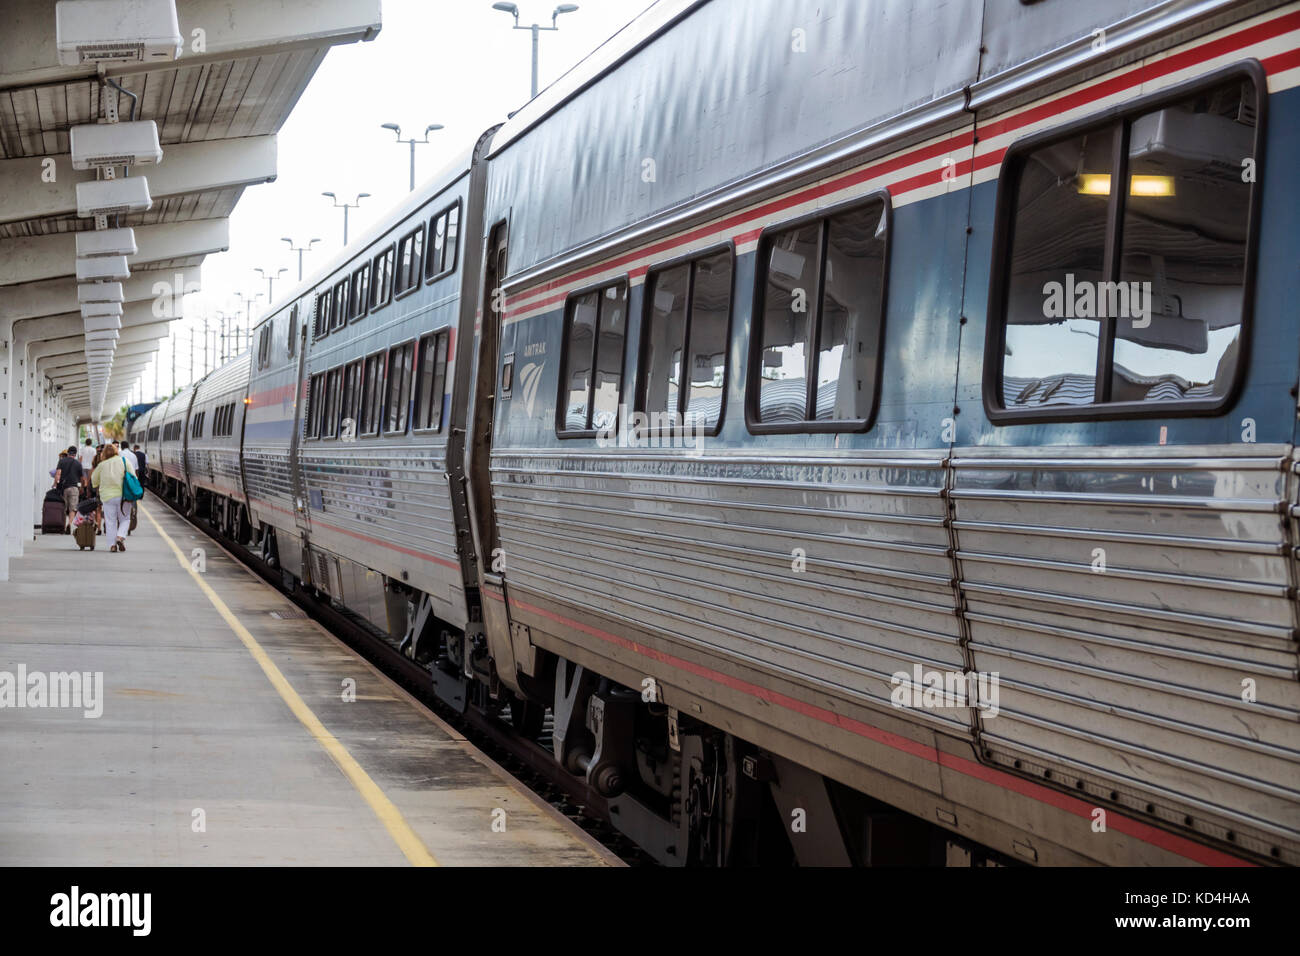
859 433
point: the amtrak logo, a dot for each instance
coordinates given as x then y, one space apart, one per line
530 376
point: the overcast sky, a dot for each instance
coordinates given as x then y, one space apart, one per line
454 62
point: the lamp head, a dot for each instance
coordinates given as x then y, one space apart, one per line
509 8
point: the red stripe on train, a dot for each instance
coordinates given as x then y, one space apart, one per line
1172 64
1141 831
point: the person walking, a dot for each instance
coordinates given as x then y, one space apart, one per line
86 455
99 512
68 481
108 478
125 451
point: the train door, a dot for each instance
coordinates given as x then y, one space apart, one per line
501 649
300 514
480 450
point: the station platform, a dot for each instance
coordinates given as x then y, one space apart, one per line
224 736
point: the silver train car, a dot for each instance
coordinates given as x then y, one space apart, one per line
834 467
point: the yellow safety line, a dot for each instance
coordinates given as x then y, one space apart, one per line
388 814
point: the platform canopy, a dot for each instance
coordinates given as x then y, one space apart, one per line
217 108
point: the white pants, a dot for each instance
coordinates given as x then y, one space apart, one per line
117 518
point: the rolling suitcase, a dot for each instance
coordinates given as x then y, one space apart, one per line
52 512
85 535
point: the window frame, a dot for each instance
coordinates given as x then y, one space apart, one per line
330 389
388 365
340 291
320 328
383 377
444 331
312 420
389 250
455 249
753 374
362 307
647 309
561 407
291 342
1116 117
416 268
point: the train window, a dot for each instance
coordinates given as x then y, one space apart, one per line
372 394
817 351
359 303
351 391
686 334
333 399
1127 302
196 427
592 374
339 307
431 381
322 325
264 347
315 401
399 386
292 342
410 257
443 233
381 280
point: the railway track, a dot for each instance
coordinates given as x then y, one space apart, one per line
529 762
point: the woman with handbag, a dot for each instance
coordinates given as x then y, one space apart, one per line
118 486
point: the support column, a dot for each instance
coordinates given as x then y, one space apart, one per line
7 503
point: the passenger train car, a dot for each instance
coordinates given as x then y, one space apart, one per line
877 446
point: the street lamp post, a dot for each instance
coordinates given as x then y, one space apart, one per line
300 250
345 207
270 279
513 10
247 301
413 141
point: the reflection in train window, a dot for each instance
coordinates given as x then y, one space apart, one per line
322 323
591 379
359 298
339 307
823 287
333 398
689 308
1133 296
372 394
381 281
399 386
443 228
311 420
431 381
351 392
410 257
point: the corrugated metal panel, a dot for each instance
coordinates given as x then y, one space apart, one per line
1125 604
